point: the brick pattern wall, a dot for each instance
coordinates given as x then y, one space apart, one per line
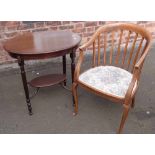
85 29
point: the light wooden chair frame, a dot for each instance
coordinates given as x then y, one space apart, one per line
137 63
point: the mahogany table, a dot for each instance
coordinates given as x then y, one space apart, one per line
42 45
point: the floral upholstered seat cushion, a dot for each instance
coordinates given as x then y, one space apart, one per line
108 79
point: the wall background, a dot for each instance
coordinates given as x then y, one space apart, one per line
85 29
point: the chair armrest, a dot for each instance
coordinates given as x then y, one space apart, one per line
78 66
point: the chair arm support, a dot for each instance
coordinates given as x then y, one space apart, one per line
129 95
78 66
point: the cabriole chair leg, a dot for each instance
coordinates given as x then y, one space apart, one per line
75 96
124 117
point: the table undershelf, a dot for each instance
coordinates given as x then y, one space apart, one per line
47 80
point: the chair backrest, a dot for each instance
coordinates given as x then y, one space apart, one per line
126 44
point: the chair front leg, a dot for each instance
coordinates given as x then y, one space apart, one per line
75 98
133 103
124 117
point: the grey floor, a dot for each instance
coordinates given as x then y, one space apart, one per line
52 107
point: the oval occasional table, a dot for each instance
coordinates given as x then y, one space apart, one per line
42 45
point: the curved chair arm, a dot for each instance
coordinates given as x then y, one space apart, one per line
136 74
85 45
139 64
80 59
90 42
78 66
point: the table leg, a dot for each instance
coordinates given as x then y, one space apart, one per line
72 56
64 67
24 80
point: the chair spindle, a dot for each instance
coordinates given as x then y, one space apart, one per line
137 53
125 49
105 46
112 46
132 50
98 49
94 54
118 51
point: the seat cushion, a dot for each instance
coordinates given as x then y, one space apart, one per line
108 79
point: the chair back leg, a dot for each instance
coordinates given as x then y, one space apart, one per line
124 117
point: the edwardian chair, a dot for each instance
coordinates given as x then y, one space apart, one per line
118 53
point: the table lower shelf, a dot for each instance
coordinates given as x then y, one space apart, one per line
47 80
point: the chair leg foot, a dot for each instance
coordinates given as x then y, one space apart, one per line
124 117
133 103
74 114
75 98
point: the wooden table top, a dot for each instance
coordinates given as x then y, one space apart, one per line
40 43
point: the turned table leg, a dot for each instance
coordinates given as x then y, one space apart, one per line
24 80
72 56
64 67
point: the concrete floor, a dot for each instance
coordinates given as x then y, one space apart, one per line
52 107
